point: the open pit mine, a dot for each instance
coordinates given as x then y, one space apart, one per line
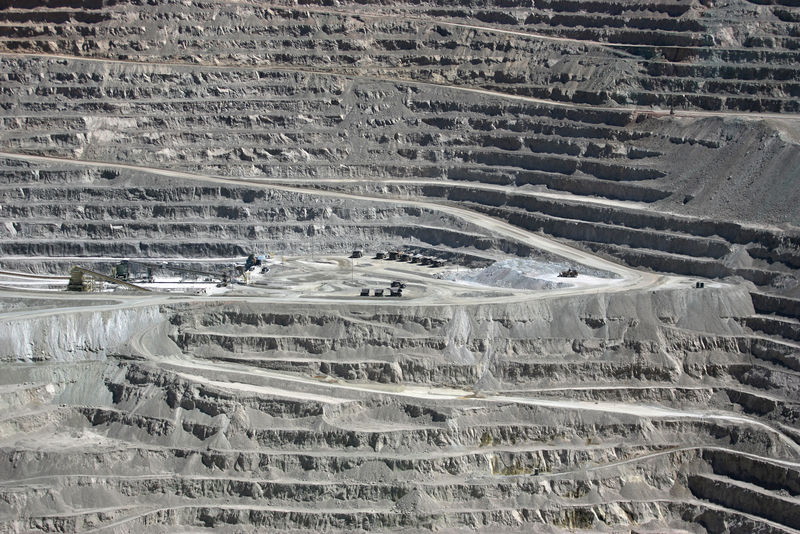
485 266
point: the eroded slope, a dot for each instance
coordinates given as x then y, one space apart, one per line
661 134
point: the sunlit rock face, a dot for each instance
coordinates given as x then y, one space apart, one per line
609 340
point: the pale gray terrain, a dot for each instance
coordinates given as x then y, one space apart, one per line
648 145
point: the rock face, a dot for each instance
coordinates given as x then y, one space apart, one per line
599 412
73 336
662 135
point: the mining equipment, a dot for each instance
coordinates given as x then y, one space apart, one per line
398 283
569 273
357 254
700 285
393 254
364 291
124 270
380 255
379 292
251 262
416 258
81 279
439 262
402 256
426 260
395 291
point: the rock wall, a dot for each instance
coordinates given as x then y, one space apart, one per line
73 336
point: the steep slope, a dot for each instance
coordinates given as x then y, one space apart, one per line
660 135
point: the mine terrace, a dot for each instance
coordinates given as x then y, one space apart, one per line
485 266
